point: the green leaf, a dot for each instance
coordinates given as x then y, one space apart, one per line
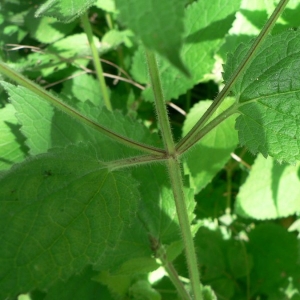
12 147
143 290
271 191
85 288
210 154
268 97
46 29
84 88
107 5
158 211
60 211
202 37
64 10
159 24
274 253
73 51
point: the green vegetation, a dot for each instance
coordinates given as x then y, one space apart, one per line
132 166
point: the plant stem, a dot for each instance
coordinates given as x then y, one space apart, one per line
88 30
20 79
173 275
134 161
161 109
235 76
180 202
174 171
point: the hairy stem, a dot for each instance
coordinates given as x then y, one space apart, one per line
20 79
160 105
88 30
234 77
135 161
173 275
182 213
174 171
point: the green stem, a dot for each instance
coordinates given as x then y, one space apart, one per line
135 161
207 128
88 30
173 275
235 76
174 171
160 105
182 213
20 79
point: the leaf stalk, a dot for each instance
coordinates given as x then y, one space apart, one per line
23 81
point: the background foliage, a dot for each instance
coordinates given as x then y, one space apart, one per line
100 241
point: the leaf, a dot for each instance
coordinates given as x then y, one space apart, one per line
202 37
84 88
46 29
158 211
72 50
60 211
211 153
107 5
268 97
64 10
85 288
271 191
159 24
46 127
12 147
274 253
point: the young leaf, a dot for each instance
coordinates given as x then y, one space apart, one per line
12 148
213 151
64 10
202 37
60 211
278 187
268 97
158 23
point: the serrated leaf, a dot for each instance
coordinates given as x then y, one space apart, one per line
12 147
158 23
60 211
210 154
268 96
271 191
64 10
202 37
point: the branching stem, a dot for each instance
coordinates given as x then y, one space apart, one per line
174 170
